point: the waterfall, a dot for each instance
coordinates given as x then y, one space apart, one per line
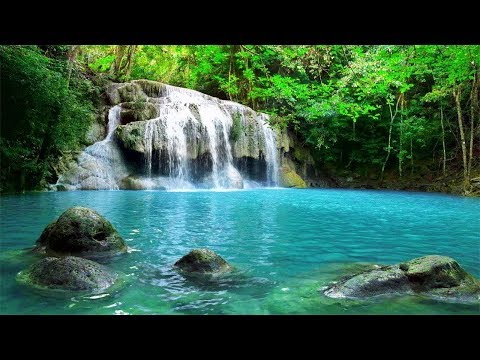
190 124
99 166
271 154
113 122
191 140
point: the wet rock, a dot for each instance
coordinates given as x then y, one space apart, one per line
433 275
439 274
203 261
68 273
81 232
289 178
390 279
137 111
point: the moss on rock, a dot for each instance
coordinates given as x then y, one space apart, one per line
131 92
68 273
289 178
433 275
82 232
137 111
434 272
149 87
131 136
203 261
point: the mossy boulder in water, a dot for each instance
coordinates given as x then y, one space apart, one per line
382 281
203 261
68 273
433 275
81 232
440 275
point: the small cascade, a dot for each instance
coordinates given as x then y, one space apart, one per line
271 154
113 122
99 166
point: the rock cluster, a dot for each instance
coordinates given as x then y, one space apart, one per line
79 234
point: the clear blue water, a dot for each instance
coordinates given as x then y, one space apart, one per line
285 243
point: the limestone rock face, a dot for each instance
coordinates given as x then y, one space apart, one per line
289 178
137 111
157 130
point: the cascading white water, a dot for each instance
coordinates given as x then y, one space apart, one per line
168 128
218 125
149 137
271 154
113 122
193 141
189 122
99 166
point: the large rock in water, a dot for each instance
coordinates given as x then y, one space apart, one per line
68 273
81 232
387 280
203 261
432 275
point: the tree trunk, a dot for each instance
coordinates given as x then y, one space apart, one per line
411 156
130 59
119 53
400 157
72 54
232 52
456 94
392 117
473 107
443 140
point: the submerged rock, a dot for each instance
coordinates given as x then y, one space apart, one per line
386 280
68 273
203 261
82 232
432 275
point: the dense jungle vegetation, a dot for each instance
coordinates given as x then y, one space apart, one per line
388 113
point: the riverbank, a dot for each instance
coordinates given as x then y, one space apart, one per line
450 183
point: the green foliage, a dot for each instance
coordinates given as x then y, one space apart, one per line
340 100
46 109
103 64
